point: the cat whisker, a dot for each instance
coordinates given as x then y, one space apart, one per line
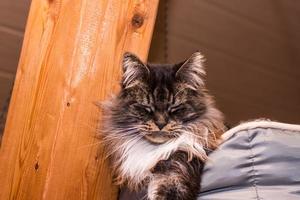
121 132
125 144
199 137
145 197
176 133
119 136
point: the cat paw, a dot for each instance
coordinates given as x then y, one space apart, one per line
161 189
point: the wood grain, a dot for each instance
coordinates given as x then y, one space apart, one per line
70 58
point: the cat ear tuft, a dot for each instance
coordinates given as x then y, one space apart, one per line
192 71
134 70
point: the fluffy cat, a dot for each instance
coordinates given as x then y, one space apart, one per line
160 127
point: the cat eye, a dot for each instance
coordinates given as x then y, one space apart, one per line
177 109
143 108
148 109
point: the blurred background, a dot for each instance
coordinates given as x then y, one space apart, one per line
13 16
252 51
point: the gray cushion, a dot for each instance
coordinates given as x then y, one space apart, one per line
257 160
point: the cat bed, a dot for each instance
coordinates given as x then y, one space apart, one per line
257 160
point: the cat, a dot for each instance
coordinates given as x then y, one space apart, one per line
159 128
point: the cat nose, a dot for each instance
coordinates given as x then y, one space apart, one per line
160 120
161 124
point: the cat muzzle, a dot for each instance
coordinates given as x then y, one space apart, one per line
159 137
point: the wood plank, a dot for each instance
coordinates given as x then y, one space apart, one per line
70 58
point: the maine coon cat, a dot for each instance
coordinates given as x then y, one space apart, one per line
160 127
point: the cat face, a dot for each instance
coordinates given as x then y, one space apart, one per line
159 101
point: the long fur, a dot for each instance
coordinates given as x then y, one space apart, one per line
133 156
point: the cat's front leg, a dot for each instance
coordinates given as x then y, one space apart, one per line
168 188
176 178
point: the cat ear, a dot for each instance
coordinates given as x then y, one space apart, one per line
134 70
192 71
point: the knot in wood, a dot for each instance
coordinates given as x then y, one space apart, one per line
137 20
36 166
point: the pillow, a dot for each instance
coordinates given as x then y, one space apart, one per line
257 160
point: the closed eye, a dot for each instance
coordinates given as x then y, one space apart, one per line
143 108
148 109
177 109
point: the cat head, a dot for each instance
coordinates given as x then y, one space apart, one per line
161 101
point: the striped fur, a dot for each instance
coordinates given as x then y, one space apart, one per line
163 114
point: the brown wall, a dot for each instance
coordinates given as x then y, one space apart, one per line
252 50
13 14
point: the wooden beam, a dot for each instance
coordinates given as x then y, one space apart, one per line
70 58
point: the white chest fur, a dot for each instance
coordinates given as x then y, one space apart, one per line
139 156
